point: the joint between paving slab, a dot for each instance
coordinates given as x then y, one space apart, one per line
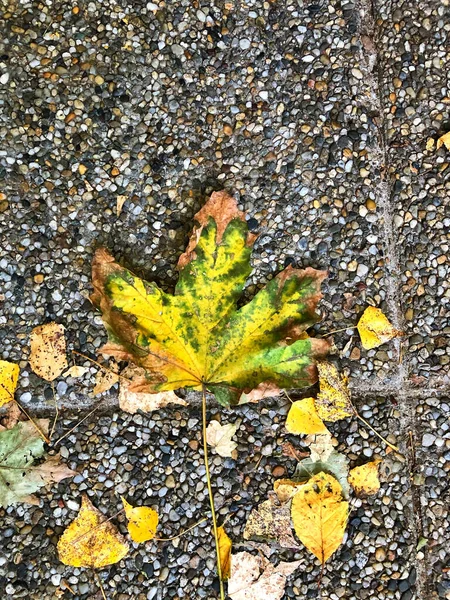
368 11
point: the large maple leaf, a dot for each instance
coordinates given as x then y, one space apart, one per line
197 336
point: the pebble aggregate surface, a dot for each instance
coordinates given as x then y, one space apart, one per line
317 116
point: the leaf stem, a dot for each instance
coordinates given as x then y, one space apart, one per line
99 583
376 432
169 539
210 493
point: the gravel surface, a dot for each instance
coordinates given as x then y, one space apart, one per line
316 115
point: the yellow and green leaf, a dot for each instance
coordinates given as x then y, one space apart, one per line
197 336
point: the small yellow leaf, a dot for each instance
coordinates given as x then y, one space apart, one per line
9 376
430 144
375 329
333 401
303 418
48 351
364 479
224 552
219 437
319 515
444 140
286 488
142 522
90 540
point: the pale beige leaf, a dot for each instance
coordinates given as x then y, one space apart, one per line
48 351
120 201
219 437
286 488
320 447
255 578
105 379
52 470
131 401
75 371
271 520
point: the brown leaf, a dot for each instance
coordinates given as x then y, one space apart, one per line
263 390
106 378
271 521
52 470
255 578
48 351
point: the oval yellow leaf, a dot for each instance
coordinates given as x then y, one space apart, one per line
9 376
142 522
304 419
364 479
91 540
319 515
375 329
224 552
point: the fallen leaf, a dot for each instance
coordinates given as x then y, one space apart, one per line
430 144
19 448
198 336
48 351
9 376
375 329
76 371
271 520
263 390
90 542
225 545
285 489
219 437
255 578
333 401
319 515
364 479
106 378
444 140
12 416
320 447
304 419
333 463
142 522
132 401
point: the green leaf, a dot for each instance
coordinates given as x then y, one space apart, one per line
197 336
19 448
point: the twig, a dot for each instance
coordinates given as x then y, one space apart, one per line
180 534
75 426
56 412
210 493
101 366
38 429
100 584
376 432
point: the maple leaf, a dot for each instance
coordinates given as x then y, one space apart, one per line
197 337
19 477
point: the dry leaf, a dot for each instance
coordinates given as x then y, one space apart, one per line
319 514
375 329
142 522
430 144
320 447
219 437
131 401
333 401
75 371
91 540
263 390
9 376
286 488
225 545
48 351
12 416
304 419
444 140
106 378
255 578
271 520
364 479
